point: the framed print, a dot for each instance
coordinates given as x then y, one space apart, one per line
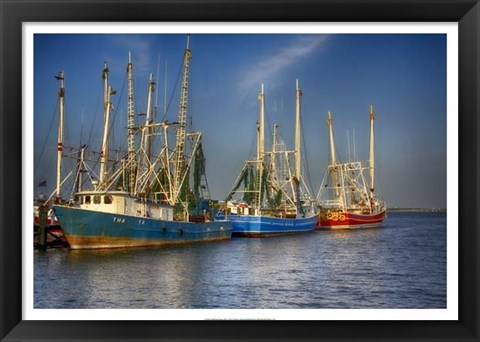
139 245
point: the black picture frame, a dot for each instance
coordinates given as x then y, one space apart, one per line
13 13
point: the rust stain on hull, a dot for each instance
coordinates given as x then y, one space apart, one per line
99 242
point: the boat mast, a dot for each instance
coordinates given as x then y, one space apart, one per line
61 98
131 125
149 120
182 123
105 86
298 154
333 156
261 126
372 151
260 145
80 169
107 109
274 143
273 159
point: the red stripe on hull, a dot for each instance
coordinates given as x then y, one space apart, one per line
345 220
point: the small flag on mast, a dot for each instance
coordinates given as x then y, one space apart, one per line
43 183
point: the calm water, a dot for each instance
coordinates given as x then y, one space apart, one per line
402 265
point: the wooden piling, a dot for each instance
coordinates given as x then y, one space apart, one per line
42 230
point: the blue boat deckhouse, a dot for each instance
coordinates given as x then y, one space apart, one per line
144 198
270 196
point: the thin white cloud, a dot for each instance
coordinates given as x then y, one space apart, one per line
282 59
140 47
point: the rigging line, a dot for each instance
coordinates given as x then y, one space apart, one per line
114 116
354 147
94 121
348 144
190 102
66 133
158 85
165 91
81 128
269 124
307 165
173 93
254 141
378 188
337 154
91 130
115 111
46 138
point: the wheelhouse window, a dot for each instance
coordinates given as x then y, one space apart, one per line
96 199
87 199
107 199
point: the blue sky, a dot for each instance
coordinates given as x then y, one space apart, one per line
402 75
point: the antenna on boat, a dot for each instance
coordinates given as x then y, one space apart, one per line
372 151
273 159
348 146
156 94
298 154
61 99
354 146
165 94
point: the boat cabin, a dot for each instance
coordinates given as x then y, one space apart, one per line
120 202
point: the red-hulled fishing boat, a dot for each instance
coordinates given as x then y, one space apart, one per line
346 197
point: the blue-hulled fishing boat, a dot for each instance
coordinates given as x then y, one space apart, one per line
145 198
120 220
268 197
